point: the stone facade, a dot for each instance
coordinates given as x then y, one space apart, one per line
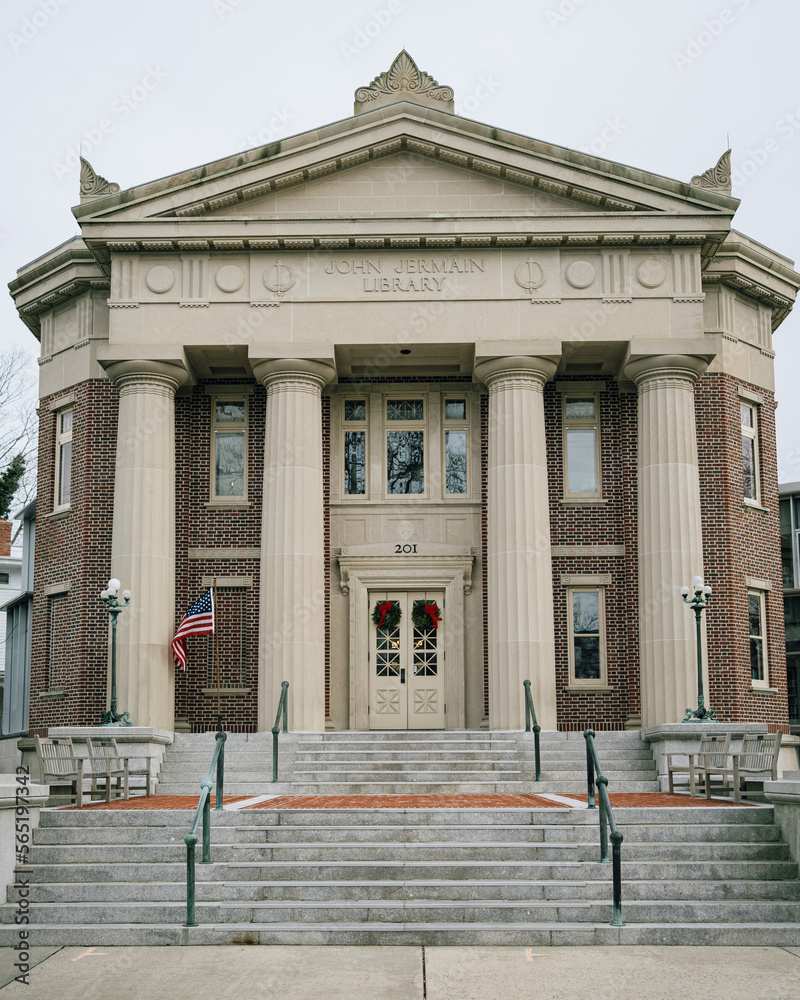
408 358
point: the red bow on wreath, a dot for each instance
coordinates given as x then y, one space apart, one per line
383 609
433 611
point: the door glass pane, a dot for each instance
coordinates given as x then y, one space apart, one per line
387 656
405 462
65 472
455 448
230 465
581 462
404 409
425 653
355 452
230 412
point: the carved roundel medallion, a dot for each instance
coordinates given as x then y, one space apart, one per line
580 274
651 273
160 279
229 278
530 275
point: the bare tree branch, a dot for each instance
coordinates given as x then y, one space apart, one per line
18 421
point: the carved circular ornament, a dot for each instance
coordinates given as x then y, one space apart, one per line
160 279
279 278
651 273
580 274
229 278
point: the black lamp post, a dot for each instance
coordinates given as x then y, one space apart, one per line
114 608
698 602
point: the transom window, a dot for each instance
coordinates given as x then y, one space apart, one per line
63 472
405 446
228 447
581 445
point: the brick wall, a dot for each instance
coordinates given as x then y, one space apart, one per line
739 541
70 630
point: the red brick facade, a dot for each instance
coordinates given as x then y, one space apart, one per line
69 670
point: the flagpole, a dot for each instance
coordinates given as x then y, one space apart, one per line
216 658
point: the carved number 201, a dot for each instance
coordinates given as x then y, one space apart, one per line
405 548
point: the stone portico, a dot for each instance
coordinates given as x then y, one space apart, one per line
410 358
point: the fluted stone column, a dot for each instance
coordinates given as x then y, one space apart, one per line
292 606
143 538
669 532
520 598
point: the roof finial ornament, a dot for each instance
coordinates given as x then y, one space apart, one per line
404 82
716 178
93 185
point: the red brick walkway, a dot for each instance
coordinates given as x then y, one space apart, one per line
620 799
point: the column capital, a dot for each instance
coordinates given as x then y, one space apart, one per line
685 367
158 374
274 370
528 367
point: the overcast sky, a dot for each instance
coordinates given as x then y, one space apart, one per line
152 87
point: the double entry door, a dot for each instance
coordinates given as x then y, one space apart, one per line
406 663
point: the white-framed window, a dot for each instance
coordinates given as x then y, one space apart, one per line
587 636
581 442
229 447
63 459
405 431
456 444
750 472
355 421
757 629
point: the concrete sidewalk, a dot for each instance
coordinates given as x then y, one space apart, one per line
406 973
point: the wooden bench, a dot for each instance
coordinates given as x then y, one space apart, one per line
106 763
713 750
756 761
58 765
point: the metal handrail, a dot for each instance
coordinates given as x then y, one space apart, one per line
282 708
204 810
530 716
595 777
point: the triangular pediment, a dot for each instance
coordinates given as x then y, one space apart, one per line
408 183
267 180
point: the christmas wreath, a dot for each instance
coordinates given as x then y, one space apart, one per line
386 614
425 616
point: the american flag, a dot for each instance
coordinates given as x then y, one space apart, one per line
198 620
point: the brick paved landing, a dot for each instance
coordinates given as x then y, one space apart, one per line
620 799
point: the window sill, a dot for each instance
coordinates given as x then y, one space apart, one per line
763 690
57 515
752 505
51 695
587 689
226 505
584 502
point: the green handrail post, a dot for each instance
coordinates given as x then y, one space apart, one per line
589 769
191 842
219 790
203 810
596 777
282 711
530 717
